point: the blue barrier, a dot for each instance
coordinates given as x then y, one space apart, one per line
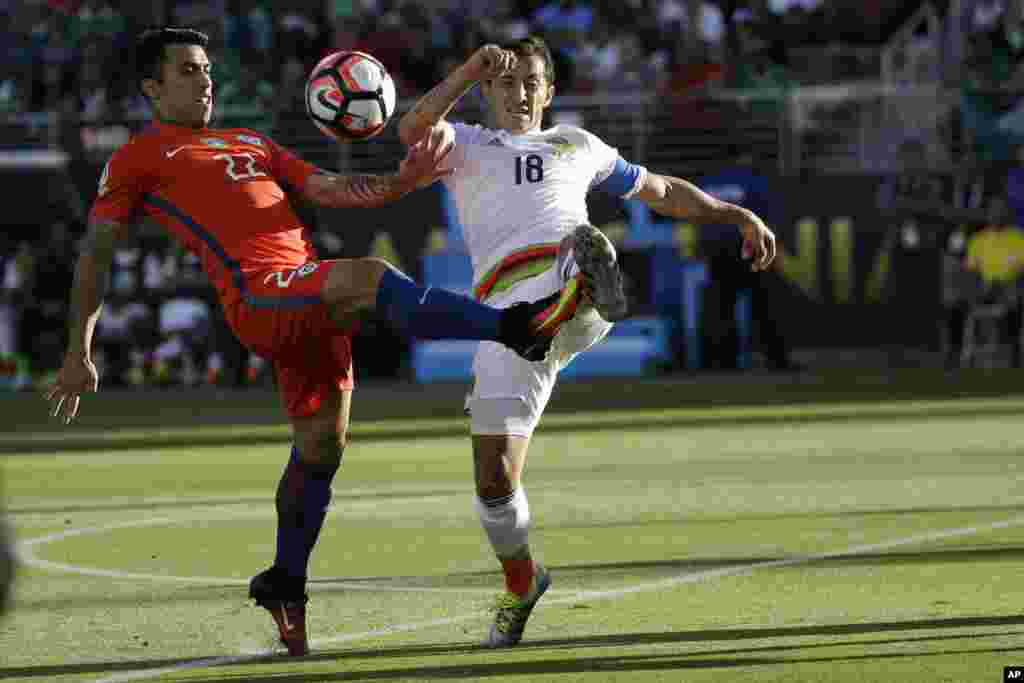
638 346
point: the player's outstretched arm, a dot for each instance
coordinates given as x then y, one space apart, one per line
78 375
490 61
678 198
423 165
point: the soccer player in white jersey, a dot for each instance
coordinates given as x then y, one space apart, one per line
520 192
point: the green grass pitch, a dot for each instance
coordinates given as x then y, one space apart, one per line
870 541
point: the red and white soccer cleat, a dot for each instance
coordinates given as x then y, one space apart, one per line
288 609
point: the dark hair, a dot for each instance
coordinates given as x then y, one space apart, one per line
534 46
149 49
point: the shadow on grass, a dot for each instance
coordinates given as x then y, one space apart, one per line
722 658
573 664
602 572
71 442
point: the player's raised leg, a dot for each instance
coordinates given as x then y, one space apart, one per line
595 255
504 512
354 285
303 496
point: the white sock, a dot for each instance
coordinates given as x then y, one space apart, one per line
506 521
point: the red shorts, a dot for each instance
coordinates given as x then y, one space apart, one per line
282 317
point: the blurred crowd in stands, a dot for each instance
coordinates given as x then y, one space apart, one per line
71 58
70 54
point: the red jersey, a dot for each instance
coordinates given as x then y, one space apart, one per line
218 191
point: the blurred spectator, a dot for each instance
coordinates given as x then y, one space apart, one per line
96 21
996 252
50 87
739 181
42 327
985 15
763 77
992 109
249 29
229 362
392 42
124 330
208 16
291 98
15 275
246 101
912 188
12 95
504 24
93 95
184 349
298 36
561 17
126 269
692 74
996 255
1015 186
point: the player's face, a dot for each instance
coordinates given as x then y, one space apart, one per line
185 94
518 98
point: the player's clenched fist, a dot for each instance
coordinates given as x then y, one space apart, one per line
758 244
491 61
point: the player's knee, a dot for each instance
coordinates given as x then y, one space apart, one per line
324 448
367 273
376 267
330 446
493 479
354 279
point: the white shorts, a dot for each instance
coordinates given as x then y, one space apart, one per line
510 393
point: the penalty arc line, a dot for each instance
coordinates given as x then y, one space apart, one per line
26 556
610 594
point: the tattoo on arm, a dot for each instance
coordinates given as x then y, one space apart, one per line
433 107
436 104
354 191
92 278
367 189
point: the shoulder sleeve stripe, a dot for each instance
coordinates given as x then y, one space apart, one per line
624 181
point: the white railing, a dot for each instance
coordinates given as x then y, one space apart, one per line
847 128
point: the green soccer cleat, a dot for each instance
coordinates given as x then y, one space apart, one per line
595 255
512 612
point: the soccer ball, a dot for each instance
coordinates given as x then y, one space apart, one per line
350 96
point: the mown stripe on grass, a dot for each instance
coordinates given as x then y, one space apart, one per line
388 430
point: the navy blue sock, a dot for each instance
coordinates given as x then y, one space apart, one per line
430 313
302 499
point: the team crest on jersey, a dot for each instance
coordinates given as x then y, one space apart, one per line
213 142
251 140
563 148
307 269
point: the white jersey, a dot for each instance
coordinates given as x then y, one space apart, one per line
513 191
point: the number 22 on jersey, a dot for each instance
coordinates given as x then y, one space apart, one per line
241 166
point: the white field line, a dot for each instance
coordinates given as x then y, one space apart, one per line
27 556
696 577
340 496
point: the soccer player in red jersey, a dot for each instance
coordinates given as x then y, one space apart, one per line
220 192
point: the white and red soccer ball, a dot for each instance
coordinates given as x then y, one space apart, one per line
350 96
